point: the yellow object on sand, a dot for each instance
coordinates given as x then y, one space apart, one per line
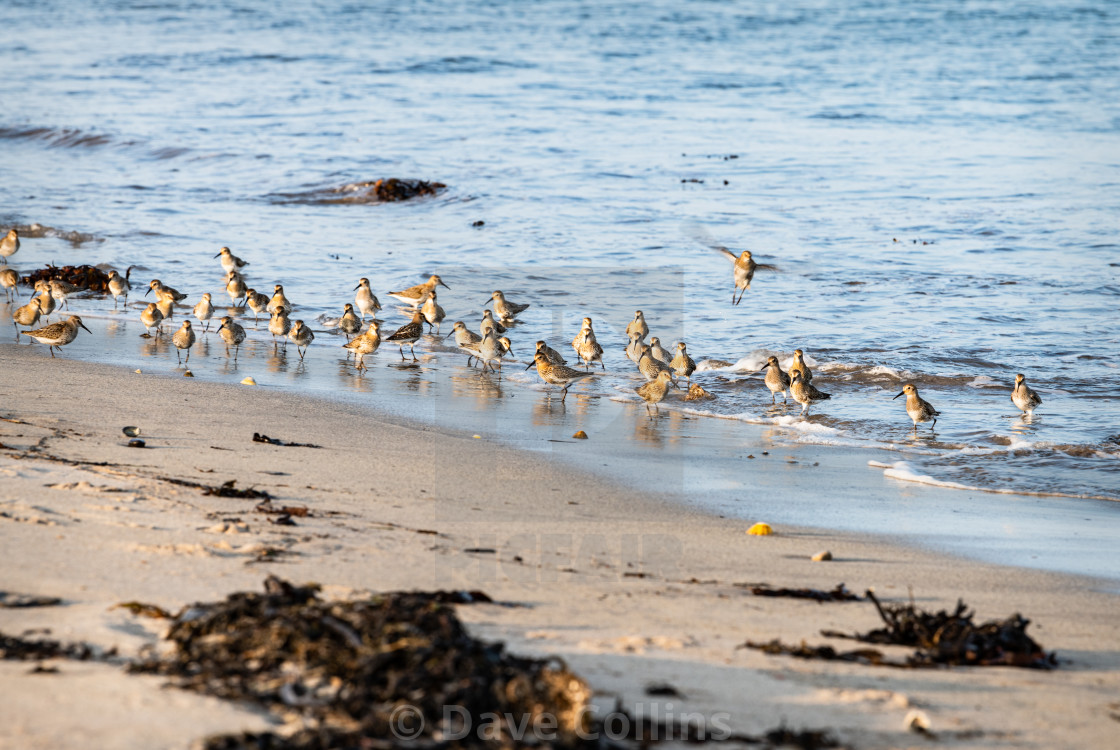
760 529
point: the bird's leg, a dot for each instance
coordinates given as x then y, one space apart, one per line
412 351
402 352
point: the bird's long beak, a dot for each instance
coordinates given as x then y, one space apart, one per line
218 255
445 286
901 394
359 286
149 290
487 302
445 338
530 364
764 369
83 325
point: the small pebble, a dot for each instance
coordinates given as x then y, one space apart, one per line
916 721
131 431
581 435
822 556
137 372
248 381
760 529
188 374
136 443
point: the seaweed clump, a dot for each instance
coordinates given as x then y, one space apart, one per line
83 277
348 665
940 638
953 638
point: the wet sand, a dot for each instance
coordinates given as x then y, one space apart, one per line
630 588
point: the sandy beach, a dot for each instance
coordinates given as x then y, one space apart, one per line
630 589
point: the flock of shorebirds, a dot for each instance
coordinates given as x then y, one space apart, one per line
660 367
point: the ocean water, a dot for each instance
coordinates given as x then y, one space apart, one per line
936 183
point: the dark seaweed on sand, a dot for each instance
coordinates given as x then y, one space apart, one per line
344 667
349 664
838 594
953 638
941 638
23 649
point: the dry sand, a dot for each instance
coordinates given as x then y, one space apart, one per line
629 589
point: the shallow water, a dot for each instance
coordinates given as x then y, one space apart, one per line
936 184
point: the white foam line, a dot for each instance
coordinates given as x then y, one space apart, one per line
901 470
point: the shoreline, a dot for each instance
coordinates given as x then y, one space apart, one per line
613 578
724 467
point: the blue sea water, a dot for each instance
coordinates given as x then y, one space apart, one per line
937 183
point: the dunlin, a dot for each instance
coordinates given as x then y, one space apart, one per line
9 246
301 336
166 306
743 271
26 316
553 356
799 365
653 392
230 262
805 393
917 407
490 349
463 337
505 309
157 286
488 323
232 334
554 374
235 286
634 348
1023 397
183 339
776 380
119 286
204 310
9 279
57 335
366 343
682 364
349 323
279 301
151 317
432 312
279 326
658 351
650 366
417 295
638 325
409 334
256 302
365 299
60 290
47 302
